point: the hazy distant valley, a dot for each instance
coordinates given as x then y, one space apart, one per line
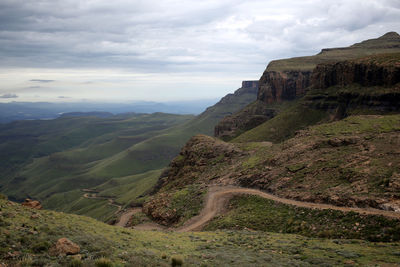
13 111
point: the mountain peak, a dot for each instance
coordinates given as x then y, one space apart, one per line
390 35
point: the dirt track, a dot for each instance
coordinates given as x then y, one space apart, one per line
93 195
218 197
124 219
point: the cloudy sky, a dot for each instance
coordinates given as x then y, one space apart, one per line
68 50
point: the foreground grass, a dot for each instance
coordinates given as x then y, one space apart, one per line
26 241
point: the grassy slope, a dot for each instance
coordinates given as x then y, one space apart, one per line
93 139
118 154
283 126
265 215
28 240
125 191
356 169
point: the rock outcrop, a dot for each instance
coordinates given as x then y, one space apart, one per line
285 85
195 157
248 87
288 79
250 84
371 83
366 72
63 247
34 204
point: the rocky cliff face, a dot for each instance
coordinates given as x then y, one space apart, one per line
285 85
368 83
288 79
250 84
248 87
274 87
366 72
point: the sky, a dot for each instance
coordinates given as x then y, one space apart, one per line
167 50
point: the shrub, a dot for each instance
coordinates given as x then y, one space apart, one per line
41 246
176 261
4 197
26 261
103 262
75 263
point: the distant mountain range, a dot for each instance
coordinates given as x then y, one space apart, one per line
45 110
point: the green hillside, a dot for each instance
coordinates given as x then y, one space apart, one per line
71 154
36 169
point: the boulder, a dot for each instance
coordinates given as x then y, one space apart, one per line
34 204
63 247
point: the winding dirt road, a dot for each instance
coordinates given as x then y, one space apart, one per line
218 197
217 200
124 219
126 215
92 194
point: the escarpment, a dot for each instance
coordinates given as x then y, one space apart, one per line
290 79
286 85
368 71
371 83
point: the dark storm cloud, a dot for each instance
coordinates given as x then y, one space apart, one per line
8 96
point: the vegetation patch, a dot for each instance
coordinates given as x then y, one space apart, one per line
251 162
260 214
188 202
296 116
24 241
372 124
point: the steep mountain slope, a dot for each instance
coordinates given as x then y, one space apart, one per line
288 79
353 162
118 151
348 155
368 85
